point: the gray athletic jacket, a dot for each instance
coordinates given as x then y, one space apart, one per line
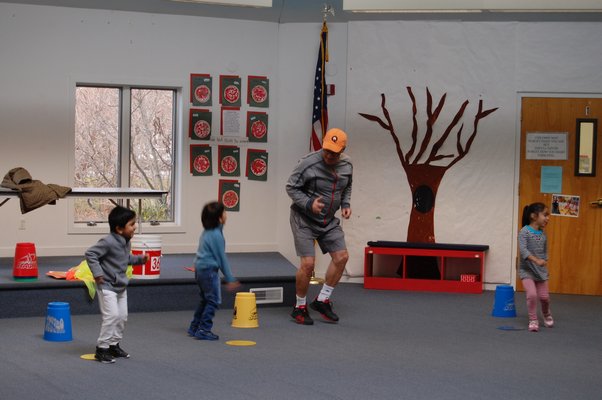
312 178
110 258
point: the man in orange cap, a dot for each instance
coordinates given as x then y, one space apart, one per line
319 185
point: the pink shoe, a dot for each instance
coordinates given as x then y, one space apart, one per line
548 321
533 325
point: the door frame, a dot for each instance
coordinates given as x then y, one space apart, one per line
516 213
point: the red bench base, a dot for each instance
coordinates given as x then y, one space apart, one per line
433 268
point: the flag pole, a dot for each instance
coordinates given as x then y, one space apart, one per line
322 119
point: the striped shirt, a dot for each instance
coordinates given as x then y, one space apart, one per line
532 242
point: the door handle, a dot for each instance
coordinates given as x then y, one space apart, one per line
597 202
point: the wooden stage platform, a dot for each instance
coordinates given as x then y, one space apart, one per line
269 274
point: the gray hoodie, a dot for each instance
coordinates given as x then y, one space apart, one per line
110 258
312 178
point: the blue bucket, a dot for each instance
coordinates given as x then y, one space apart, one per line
504 302
58 322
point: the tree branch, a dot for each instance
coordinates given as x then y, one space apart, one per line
414 125
445 135
431 119
388 126
480 115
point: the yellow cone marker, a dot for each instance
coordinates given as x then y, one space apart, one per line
241 343
245 311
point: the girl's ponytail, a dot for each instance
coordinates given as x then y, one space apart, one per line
526 216
529 209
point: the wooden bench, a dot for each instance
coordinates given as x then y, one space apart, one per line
433 267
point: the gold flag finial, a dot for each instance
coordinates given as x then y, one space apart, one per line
327 9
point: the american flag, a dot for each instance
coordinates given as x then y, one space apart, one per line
320 111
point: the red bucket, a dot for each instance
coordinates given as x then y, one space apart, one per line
25 265
150 245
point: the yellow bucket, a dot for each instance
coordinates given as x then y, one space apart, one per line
245 311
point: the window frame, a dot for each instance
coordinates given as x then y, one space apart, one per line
125 87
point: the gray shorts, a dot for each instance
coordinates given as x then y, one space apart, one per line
331 237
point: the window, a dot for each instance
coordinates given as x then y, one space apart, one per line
124 137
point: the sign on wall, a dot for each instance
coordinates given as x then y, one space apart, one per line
546 146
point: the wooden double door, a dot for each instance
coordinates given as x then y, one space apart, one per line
574 241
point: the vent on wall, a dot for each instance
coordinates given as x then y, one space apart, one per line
268 295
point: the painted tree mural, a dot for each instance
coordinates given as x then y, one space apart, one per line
423 175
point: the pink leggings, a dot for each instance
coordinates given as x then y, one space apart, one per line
537 290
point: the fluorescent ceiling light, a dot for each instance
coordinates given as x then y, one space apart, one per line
467 6
415 10
239 3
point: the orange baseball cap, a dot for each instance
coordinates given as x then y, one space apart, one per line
335 140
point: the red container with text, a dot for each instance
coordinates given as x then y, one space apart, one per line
150 245
25 264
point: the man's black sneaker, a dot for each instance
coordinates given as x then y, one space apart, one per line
325 309
301 316
118 352
103 356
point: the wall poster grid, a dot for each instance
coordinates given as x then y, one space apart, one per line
232 134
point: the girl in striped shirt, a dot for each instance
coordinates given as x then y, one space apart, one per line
533 265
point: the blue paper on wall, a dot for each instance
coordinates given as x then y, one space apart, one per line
551 179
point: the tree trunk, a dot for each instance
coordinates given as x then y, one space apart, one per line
424 182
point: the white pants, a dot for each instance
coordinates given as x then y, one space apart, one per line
114 310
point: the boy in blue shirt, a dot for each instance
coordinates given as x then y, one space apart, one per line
209 260
108 260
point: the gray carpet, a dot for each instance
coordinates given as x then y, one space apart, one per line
388 345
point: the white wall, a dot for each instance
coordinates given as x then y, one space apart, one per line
46 50
476 202
298 52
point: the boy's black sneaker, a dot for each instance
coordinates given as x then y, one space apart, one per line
325 309
118 352
301 316
205 335
103 356
192 330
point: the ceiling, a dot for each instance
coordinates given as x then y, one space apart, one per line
288 11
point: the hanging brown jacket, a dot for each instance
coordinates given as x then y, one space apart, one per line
33 193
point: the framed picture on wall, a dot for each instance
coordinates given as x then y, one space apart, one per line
565 205
230 90
257 165
257 126
199 125
258 91
200 89
200 160
229 194
228 160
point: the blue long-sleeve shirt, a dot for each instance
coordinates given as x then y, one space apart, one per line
212 252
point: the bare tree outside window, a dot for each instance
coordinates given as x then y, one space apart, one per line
97 113
147 138
151 160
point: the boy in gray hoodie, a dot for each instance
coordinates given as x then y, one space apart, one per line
108 260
